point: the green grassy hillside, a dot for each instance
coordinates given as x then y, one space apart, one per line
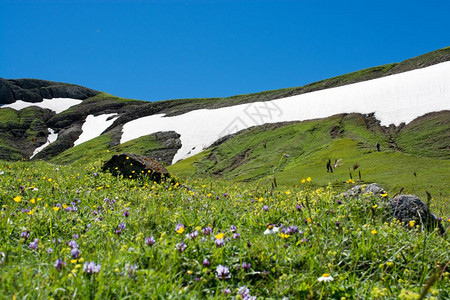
413 158
100 149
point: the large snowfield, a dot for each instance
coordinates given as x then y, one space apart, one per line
394 99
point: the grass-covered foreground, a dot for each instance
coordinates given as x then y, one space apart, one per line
69 232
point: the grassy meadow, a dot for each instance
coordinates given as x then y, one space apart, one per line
73 232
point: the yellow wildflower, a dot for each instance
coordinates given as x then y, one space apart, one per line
374 231
308 179
303 180
55 208
384 195
412 223
18 198
220 236
284 235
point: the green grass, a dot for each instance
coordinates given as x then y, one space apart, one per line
100 149
105 96
295 151
355 242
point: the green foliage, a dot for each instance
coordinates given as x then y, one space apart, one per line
293 151
101 149
365 254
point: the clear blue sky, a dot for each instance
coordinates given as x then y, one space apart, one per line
155 50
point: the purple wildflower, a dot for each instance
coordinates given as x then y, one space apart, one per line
131 270
33 245
120 227
91 267
126 213
207 230
225 195
75 253
233 228
25 210
298 207
75 236
337 223
25 234
226 291
181 247
246 266
223 272
206 262
49 250
292 229
236 236
59 264
198 279
245 293
150 240
265 208
339 202
73 244
219 243
193 235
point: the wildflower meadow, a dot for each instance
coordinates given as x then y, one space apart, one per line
73 232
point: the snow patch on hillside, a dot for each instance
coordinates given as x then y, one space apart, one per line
52 136
394 99
94 127
58 105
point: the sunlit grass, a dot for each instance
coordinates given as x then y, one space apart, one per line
129 231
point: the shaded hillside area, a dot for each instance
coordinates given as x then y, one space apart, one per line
416 156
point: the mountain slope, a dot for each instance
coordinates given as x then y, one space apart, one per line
68 125
289 152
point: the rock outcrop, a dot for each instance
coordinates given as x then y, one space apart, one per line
133 166
35 90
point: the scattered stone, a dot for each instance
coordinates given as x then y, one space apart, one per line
357 190
409 208
133 166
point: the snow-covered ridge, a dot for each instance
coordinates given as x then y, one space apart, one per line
94 126
58 105
394 99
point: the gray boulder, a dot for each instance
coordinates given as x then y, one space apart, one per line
357 190
406 208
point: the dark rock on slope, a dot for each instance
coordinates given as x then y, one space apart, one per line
35 90
407 208
133 166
